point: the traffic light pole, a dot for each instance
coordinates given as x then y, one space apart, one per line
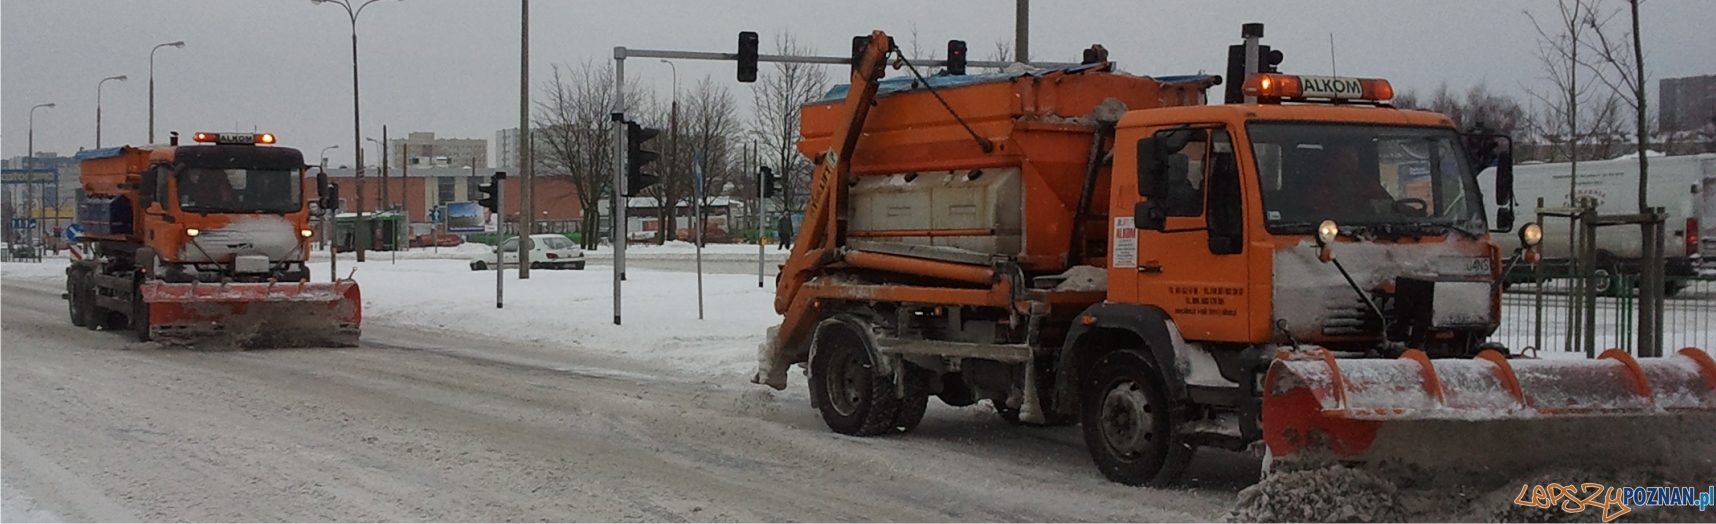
618 216
500 237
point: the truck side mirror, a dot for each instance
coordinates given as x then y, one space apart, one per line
1150 215
1504 191
146 187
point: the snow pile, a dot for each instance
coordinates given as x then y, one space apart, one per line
575 309
1331 494
1084 278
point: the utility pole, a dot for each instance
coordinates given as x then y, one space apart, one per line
527 178
1022 32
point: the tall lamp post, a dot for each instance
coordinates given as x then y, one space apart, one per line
363 232
98 85
30 176
673 152
157 47
324 155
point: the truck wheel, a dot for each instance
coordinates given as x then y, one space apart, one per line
1127 420
139 316
1608 282
76 305
854 400
912 407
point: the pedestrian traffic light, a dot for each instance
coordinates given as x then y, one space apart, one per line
769 182
747 56
956 57
491 192
637 157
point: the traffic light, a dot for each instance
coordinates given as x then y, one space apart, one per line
956 57
747 56
769 182
1271 59
331 199
491 192
859 45
637 157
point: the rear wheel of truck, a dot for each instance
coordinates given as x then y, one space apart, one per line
1128 424
76 304
854 400
139 315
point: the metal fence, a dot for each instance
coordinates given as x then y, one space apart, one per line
1545 317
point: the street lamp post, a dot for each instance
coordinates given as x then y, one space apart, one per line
363 232
324 155
30 177
179 44
98 85
673 151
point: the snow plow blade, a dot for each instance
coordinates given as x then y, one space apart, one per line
1490 417
255 315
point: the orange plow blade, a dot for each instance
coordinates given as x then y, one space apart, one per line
1491 414
297 314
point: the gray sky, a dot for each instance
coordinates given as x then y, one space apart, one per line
451 66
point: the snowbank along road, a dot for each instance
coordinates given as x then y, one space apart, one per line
428 424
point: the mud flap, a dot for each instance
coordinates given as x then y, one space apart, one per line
255 315
1488 418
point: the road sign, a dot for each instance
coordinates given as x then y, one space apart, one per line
435 215
23 223
73 231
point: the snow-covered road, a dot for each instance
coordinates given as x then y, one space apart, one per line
455 411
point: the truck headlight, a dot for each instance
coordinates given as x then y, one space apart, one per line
1326 232
1531 234
192 232
305 233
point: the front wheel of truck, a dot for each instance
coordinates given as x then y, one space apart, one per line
1127 418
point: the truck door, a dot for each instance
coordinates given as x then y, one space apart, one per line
1195 268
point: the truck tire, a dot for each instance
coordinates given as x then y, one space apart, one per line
916 402
139 315
76 305
853 398
1128 424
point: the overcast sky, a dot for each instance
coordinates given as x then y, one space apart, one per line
451 66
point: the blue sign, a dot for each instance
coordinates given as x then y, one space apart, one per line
73 231
435 215
23 223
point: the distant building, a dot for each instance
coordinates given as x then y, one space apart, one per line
506 148
1687 103
422 149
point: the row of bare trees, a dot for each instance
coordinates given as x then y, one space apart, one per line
702 129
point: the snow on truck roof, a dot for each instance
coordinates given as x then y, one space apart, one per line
105 152
908 83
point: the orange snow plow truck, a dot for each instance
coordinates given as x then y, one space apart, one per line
1307 275
205 243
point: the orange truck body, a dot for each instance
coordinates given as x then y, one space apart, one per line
985 239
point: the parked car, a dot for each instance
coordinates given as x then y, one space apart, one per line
547 252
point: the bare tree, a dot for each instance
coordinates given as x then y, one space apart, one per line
1558 55
1620 66
1003 52
1478 105
777 98
713 130
574 138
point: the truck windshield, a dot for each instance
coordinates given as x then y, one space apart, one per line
239 190
1383 178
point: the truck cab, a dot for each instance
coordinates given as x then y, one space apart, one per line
1220 226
